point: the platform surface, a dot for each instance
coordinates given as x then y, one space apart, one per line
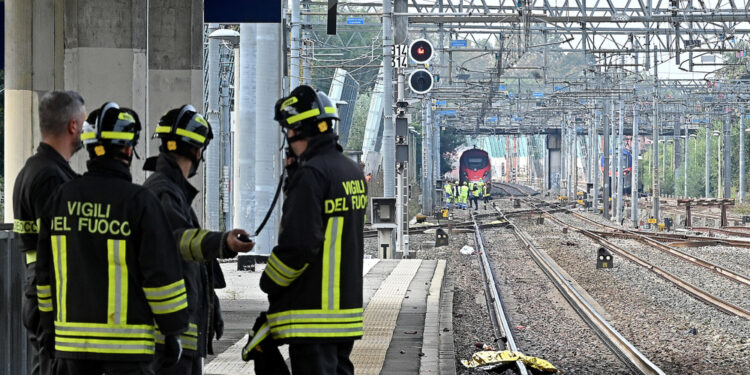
402 309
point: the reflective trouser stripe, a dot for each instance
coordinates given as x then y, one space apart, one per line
331 263
60 260
117 302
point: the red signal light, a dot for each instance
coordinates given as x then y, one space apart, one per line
420 50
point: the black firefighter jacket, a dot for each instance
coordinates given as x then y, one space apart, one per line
313 277
197 247
38 180
108 268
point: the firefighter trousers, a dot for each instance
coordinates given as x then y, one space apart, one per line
187 365
321 359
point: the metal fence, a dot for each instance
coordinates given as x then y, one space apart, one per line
14 348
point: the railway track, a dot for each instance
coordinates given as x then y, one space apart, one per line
497 312
620 347
691 289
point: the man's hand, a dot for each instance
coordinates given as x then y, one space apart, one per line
237 245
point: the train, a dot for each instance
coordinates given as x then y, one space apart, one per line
474 166
627 162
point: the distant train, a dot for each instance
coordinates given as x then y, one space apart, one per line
627 163
474 166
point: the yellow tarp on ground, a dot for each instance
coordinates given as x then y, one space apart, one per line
490 360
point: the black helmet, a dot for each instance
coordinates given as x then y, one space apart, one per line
110 127
182 127
304 110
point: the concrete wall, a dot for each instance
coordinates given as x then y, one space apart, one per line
146 55
175 67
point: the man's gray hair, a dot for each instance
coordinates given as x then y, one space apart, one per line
56 109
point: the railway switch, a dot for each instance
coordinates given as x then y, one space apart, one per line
441 238
604 259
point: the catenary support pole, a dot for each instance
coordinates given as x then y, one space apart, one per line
389 146
606 185
727 158
655 147
213 154
595 151
707 162
620 166
742 156
294 61
635 172
686 162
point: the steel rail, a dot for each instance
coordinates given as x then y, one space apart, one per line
687 287
619 345
494 300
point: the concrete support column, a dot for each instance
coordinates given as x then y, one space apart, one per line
213 153
267 142
106 60
175 69
554 161
244 157
742 156
33 66
727 158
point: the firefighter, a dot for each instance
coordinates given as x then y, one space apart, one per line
184 136
475 195
448 194
464 195
107 273
313 277
61 118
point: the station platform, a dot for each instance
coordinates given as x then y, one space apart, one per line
407 319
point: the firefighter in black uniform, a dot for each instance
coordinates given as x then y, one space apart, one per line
184 135
61 116
313 277
107 273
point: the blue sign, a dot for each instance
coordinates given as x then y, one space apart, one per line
699 120
492 119
355 21
501 88
538 94
447 112
238 11
561 88
516 118
510 95
458 43
441 102
747 117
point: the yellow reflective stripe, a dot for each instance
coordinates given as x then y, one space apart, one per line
169 306
163 129
88 135
330 110
275 276
189 134
289 102
67 344
285 270
196 244
30 256
318 315
258 337
189 343
185 239
45 304
331 280
25 226
302 116
318 330
166 291
129 331
60 260
117 287
117 135
44 291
